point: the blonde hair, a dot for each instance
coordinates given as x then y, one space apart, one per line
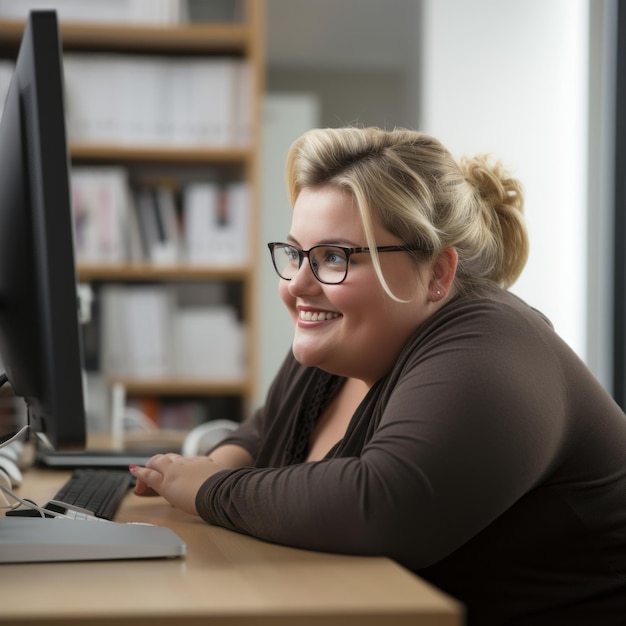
413 186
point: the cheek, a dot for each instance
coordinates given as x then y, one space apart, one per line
407 282
288 300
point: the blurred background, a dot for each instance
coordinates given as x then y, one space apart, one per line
537 83
532 82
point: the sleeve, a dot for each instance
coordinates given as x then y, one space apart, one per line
247 435
470 421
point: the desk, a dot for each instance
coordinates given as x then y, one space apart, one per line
226 579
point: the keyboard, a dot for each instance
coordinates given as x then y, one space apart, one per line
41 540
96 492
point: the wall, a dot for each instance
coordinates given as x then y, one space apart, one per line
363 98
511 78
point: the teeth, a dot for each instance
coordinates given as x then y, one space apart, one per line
311 316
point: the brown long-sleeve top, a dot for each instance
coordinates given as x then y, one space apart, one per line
489 461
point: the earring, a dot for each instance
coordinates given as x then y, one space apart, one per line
438 292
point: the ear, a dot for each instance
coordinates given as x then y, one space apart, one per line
443 271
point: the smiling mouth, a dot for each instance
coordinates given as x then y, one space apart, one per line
318 316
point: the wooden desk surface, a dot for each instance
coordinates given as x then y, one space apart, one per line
225 579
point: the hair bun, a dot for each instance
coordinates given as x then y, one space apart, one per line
501 198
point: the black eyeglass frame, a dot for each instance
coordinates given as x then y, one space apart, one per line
348 252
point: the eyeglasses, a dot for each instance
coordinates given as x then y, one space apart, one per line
329 264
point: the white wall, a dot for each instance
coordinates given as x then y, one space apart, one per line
511 78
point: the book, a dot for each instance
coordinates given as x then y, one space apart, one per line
168 221
106 11
212 100
209 342
89 80
240 214
136 330
241 130
149 311
200 204
101 203
216 222
158 225
157 100
111 301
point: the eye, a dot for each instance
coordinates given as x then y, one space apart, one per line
334 256
291 253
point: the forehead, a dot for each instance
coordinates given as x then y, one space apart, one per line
326 213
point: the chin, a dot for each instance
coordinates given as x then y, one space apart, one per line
302 358
305 356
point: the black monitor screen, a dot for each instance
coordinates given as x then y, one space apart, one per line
39 329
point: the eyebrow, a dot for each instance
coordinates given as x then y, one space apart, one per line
341 243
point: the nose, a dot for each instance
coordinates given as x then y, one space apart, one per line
304 280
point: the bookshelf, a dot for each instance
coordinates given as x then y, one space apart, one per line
176 164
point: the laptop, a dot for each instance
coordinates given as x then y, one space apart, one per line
107 459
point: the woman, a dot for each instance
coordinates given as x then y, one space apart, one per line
424 413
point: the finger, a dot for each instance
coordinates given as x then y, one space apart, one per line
152 461
152 478
141 489
162 460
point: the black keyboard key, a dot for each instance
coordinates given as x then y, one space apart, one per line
97 490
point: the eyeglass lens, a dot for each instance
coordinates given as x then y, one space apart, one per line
329 263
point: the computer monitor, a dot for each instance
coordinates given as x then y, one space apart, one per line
40 345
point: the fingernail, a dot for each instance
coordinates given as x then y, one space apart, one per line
132 466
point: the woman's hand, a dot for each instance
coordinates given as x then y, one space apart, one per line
175 478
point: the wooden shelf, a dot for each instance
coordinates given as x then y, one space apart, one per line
182 387
180 164
118 153
147 272
177 39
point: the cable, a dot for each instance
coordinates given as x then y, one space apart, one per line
9 439
4 478
28 504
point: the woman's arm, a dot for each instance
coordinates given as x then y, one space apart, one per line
463 429
231 456
161 475
178 478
